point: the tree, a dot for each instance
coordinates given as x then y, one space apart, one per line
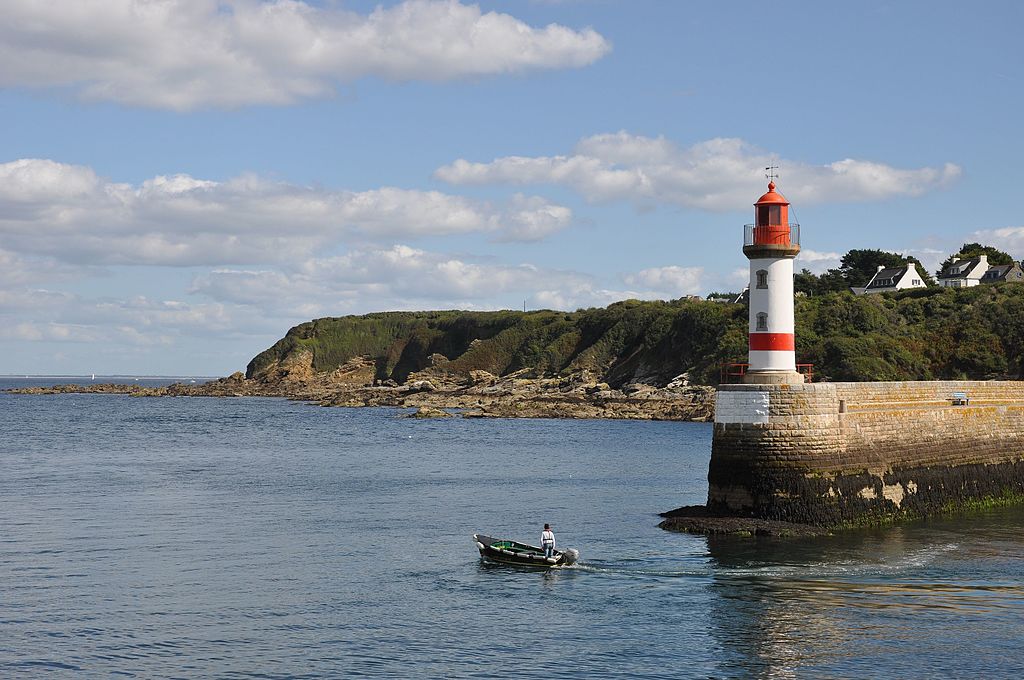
855 270
969 250
858 266
833 281
806 282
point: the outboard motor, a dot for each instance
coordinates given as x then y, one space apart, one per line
571 555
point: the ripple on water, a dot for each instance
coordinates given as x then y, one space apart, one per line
262 538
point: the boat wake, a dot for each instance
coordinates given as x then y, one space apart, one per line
623 570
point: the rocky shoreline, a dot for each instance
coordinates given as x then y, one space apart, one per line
696 519
476 395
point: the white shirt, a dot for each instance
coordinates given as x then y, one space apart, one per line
547 536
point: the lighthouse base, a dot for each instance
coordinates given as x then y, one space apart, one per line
773 378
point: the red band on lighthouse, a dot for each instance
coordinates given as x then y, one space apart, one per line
772 342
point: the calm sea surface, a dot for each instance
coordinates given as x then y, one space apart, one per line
187 537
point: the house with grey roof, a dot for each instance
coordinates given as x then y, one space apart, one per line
1000 273
891 279
964 273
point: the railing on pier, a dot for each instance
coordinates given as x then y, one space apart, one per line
732 373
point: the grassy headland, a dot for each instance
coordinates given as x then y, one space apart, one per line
924 334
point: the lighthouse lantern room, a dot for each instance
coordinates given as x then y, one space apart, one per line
771 244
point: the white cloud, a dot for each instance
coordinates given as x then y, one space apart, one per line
670 282
929 257
398 277
47 315
817 262
581 296
42 331
16 270
189 54
532 218
737 279
68 212
34 301
401 277
719 174
1007 239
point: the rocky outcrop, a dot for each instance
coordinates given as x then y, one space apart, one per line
429 412
361 370
516 396
480 395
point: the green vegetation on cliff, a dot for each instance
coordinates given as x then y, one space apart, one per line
627 341
924 334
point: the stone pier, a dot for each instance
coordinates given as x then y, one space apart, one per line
834 454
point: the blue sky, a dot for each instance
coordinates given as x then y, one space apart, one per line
182 181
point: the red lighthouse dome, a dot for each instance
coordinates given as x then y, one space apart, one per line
771 218
772 197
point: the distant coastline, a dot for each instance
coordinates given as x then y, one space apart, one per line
105 378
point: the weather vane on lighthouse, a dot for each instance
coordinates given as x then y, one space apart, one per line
770 173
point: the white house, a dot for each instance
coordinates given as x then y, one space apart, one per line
888 280
964 273
1001 273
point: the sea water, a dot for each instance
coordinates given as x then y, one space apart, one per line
246 537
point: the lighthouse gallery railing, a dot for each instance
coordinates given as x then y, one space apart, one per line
768 234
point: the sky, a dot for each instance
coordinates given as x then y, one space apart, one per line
182 181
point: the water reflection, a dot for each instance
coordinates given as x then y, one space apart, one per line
842 604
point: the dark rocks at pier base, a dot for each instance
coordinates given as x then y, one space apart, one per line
696 519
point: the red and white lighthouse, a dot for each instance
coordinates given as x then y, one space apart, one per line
771 244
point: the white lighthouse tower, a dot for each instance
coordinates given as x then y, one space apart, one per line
771 244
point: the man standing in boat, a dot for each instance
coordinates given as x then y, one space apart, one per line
547 541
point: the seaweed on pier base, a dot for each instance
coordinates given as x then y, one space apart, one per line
696 519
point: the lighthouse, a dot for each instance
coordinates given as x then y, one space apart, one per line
771 244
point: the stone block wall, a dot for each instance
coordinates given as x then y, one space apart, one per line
836 453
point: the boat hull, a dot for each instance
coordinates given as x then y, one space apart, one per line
503 551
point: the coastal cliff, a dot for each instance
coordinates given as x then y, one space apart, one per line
925 334
628 342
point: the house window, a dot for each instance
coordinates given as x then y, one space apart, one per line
762 279
762 321
915 282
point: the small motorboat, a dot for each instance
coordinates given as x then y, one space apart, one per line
505 551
